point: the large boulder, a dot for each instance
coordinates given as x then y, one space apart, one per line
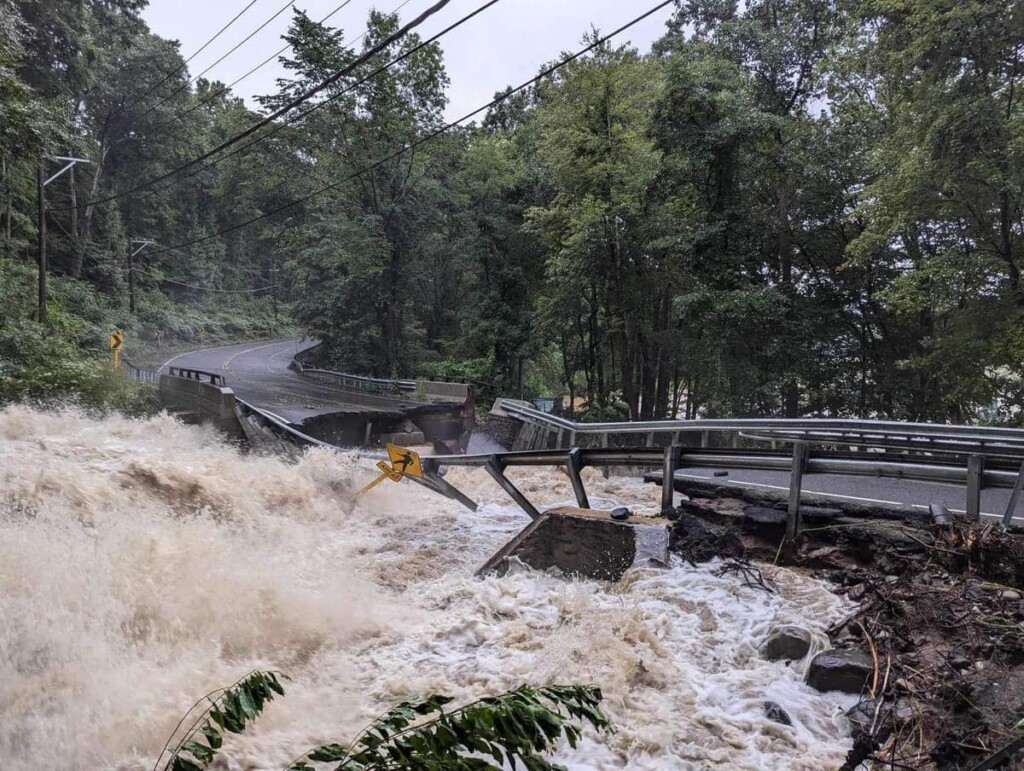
840 670
788 642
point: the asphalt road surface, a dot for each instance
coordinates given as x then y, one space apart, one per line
866 489
259 374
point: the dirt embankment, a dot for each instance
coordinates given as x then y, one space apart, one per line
940 613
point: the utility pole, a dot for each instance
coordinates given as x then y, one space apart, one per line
140 244
70 162
273 285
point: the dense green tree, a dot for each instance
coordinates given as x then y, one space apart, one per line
789 207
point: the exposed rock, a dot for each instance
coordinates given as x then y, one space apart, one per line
840 670
1009 594
862 713
789 642
774 712
764 514
698 541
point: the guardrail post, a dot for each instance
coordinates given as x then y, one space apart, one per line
431 475
673 456
1011 506
496 468
975 481
575 466
796 480
558 446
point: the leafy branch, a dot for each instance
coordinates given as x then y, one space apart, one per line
235 707
514 728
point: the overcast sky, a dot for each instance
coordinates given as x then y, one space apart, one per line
503 46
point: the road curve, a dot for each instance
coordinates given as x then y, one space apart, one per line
258 373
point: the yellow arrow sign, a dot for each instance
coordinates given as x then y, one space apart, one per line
116 340
405 461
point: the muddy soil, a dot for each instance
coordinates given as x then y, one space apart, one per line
940 612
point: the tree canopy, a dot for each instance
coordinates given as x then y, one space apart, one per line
786 207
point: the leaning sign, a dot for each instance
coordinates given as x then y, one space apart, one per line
404 462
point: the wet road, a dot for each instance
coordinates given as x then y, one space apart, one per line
865 489
259 374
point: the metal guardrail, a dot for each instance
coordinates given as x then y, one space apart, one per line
371 385
989 439
431 479
977 456
213 378
973 444
139 374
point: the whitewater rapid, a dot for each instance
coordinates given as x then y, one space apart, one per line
144 563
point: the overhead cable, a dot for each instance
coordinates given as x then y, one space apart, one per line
182 66
428 137
225 89
195 79
280 126
305 96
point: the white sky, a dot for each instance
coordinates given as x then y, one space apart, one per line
502 46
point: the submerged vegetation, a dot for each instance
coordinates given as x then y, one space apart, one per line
513 728
787 207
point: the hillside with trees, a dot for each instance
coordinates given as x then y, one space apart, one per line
786 208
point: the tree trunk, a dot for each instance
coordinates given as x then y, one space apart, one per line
648 377
790 389
90 208
77 251
1006 249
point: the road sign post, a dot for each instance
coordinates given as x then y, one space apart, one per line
116 343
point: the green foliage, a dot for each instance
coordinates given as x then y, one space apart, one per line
515 727
228 711
789 207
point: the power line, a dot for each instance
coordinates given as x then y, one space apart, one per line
195 79
177 282
299 116
398 34
182 66
263 64
423 140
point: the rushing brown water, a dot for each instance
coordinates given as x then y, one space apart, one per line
143 563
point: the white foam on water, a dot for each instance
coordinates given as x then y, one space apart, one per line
144 563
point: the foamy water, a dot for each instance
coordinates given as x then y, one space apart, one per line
144 563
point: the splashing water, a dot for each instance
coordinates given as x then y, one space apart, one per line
144 563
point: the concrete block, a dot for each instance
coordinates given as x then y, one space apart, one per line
585 543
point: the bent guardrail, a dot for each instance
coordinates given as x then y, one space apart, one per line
978 456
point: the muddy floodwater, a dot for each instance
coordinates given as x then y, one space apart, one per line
144 563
